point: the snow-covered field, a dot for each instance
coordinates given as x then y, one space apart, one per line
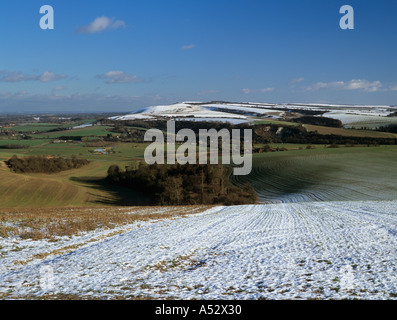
321 250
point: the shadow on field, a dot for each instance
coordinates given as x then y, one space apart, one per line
117 196
293 182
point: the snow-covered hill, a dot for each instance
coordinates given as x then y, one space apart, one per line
350 115
179 110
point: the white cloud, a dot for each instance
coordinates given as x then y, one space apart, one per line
365 85
187 47
50 76
297 80
264 90
114 77
101 24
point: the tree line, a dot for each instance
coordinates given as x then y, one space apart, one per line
263 133
319 121
42 164
14 146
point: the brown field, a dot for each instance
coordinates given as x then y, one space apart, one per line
49 223
349 132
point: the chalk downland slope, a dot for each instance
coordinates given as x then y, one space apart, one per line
324 174
352 116
337 250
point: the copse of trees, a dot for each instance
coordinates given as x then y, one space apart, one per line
42 164
392 128
319 121
183 184
73 138
14 146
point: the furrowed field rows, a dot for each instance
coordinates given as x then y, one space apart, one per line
319 250
324 175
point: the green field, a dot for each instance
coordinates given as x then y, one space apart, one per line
97 131
324 174
299 174
86 186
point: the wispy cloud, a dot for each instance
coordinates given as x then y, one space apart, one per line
50 76
115 77
101 24
187 47
18 76
264 90
297 80
365 85
14 76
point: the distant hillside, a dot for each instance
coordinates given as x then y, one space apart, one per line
354 116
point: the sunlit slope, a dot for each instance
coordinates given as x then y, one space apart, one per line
325 175
79 187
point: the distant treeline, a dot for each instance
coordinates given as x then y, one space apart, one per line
331 139
262 133
57 129
319 121
13 146
390 128
183 184
73 138
180 124
274 134
42 164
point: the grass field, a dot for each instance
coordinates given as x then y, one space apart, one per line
97 131
38 127
82 187
86 186
324 174
349 132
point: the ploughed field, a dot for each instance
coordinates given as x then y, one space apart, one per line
319 250
324 174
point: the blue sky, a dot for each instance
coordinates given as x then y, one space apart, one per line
125 55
